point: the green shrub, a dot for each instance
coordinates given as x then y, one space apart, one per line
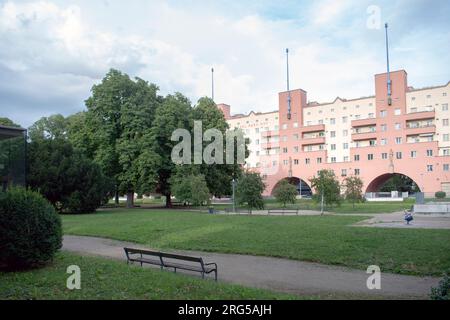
440 194
30 229
442 291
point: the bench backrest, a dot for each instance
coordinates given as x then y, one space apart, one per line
163 255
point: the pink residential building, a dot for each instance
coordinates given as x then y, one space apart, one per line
372 137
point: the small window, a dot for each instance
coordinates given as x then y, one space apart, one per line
446 167
430 168
345 146
384 156
429 153
356 157
333 147
357 172
398 155
332 121
383 127
398 112
383 113
333 134
370 156
344 172
413 154
307 161
333 159
398 140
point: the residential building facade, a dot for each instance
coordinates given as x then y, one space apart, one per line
373 137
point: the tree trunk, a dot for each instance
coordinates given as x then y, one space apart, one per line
130 199
117 196
168 201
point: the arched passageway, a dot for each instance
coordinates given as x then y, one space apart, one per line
393 182
303 188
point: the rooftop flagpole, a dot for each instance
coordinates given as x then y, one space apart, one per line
212 83
389 83
287 77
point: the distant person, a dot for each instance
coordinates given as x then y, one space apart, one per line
408 216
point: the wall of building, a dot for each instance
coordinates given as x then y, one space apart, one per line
373 137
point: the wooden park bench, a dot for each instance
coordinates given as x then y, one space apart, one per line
282 211
170 260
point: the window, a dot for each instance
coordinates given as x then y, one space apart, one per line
357 172
257 141
383 142
307 161
333 159
444 94
346 159
398 126
333 147
384 156
428 96
295 125
344 119
257 153
333 134
445 122
413 154
383 113
257 130
445 107
319 160
285 150
398 140
284 126
345 145
370 156
429 153
373 143
296 136
295 149
309 148
371 115
296 161
446 152
383 127
356 157
285 162
398 112
332 121
446 167
345 133
430 168
344 172
413 110
357 117
413 98
446 137
398 155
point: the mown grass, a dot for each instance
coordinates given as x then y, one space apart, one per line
324 239
108 279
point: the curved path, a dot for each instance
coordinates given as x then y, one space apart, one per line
276 274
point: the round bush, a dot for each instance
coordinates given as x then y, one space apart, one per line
30 229
440 194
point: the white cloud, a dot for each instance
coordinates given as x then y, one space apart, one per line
53 52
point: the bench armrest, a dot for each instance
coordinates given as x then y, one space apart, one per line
212 263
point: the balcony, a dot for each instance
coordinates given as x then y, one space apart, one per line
364 122
270 145
417 130
420 115
314 128
312 141
272 133
370 135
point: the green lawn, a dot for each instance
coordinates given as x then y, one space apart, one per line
108 279
325 239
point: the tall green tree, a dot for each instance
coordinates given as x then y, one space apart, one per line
218 176
353 189
285 193
327 188
8 123
190 189
249 190
156 161
120 114
52 127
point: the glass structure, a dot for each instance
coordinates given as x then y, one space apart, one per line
12 157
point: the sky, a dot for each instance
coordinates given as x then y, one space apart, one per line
53 51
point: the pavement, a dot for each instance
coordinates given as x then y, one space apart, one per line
282 275
396 220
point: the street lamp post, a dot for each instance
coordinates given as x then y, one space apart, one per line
234 201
